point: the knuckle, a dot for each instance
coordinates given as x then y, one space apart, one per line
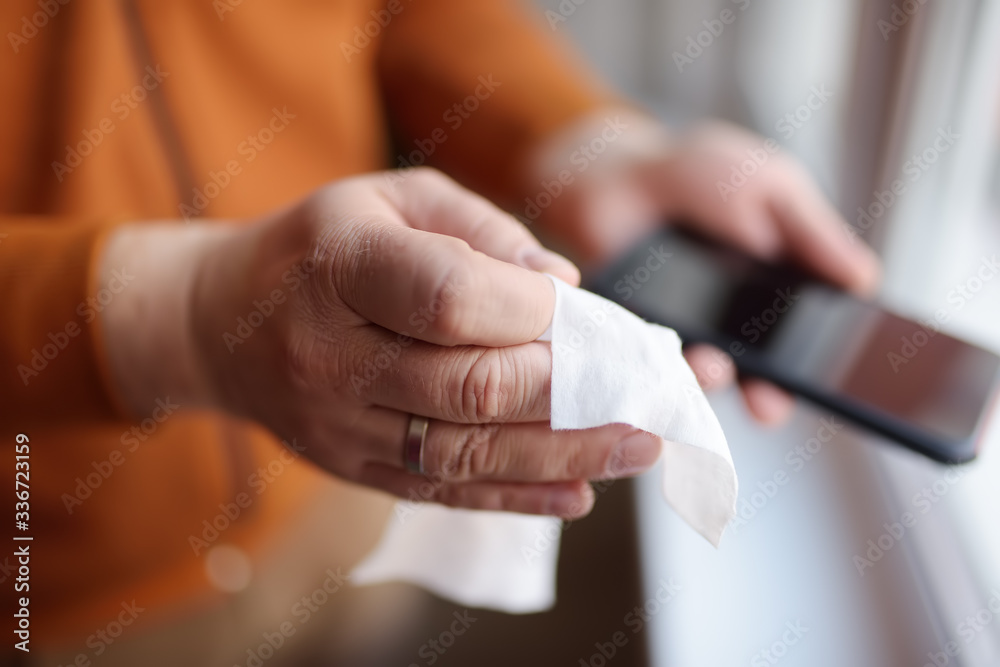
349 254
447 302
611 461
299 365
309 364
428 177
582 460
472 454
486 391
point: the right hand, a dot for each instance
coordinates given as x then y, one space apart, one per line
359 267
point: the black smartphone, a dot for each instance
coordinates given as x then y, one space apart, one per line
907 380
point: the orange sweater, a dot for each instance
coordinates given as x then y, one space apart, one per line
119 110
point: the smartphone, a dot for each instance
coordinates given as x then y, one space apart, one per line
907 380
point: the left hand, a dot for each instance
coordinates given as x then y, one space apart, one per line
643 176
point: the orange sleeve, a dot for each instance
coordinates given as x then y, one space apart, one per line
473 85
51 359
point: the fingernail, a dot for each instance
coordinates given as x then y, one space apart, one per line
546 261
635 453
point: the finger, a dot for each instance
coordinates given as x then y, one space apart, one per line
769 404
438 289
814 235
536 453
567 500
464 384
508 452
713 368
740 224
431 201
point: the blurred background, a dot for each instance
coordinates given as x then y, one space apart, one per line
817 569
786 585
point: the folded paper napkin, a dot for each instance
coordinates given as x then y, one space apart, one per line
608 366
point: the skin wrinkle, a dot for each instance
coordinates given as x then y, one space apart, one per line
302 363
303 388
480 393
348 260
521 388
487 453
511 385
464 453
576 461
452 322
434 203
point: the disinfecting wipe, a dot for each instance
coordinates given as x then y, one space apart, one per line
608 367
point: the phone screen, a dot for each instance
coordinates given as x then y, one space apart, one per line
905 378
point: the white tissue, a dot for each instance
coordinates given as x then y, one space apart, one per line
492 560
608 366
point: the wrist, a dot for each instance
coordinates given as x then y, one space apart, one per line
605 139
148 326
588 185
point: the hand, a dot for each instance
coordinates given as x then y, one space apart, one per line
332 322
644 177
